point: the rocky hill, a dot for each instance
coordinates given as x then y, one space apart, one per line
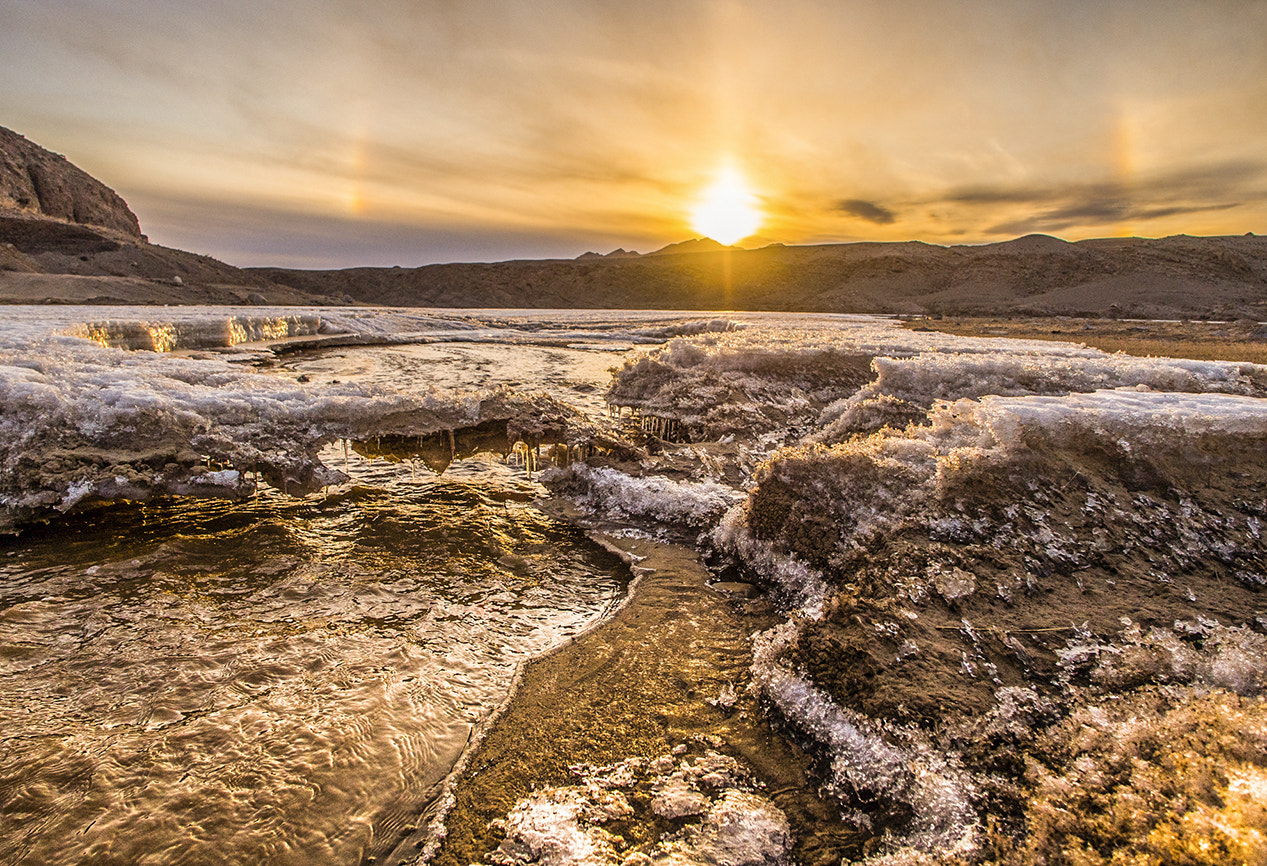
66 237
1181 276
38 182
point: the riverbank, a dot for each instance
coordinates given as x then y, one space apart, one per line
667 674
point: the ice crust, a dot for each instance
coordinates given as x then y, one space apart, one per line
871 485
169 336
906 386
869 762
808 379
847 499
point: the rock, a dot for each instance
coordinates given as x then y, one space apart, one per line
36 181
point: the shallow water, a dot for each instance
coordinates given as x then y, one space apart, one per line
283 681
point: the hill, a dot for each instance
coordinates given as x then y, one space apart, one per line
65 237
1175 277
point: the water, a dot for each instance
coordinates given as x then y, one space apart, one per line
282 680
1058 533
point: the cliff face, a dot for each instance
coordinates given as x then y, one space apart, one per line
41 183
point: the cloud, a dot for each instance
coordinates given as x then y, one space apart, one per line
867 210
1095 213
231 232
1197 189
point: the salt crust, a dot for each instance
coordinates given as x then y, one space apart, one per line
924 380
616 495
907 471
714 817
870 760
79 421
749 381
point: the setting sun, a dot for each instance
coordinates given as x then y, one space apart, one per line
727 211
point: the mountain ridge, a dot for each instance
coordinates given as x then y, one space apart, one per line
65 237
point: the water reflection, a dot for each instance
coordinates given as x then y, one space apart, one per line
282 681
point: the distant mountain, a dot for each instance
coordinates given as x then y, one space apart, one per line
699 245
614 254
1175 277
67 238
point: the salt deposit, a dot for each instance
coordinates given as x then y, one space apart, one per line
984 548
715 815
653 498
80 422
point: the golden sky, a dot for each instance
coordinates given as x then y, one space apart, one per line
410 131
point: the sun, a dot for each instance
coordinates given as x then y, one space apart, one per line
727 211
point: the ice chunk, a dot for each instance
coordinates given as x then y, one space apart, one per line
740 829
545 828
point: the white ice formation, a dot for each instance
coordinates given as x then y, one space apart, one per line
870 762
811 379
1001 424
650 498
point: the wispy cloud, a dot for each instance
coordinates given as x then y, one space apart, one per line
1059 207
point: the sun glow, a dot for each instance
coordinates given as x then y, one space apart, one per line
727 211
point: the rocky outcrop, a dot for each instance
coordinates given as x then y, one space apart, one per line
38 182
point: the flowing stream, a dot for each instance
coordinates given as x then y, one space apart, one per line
283 680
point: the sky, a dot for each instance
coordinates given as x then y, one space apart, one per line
321 133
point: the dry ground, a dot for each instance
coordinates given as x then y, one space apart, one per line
1242 340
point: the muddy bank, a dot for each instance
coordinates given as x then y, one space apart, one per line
670 671
1004 617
